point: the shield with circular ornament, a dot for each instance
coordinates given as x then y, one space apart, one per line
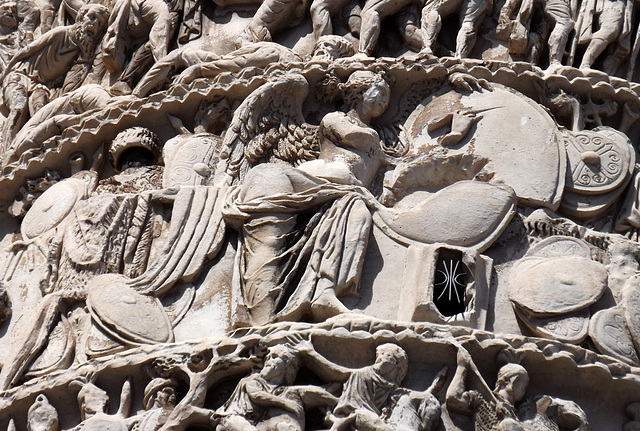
600 163
125 313
599 160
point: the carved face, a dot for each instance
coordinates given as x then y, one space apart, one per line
386 361
512 382
330 47
43 422
518 386
281 366
8 15
42 416
166 397
92 400
93 19
368 93
375 99
325 51
274 367
391 362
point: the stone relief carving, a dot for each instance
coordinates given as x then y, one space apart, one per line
283 214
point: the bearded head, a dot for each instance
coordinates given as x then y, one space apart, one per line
8 16
90 22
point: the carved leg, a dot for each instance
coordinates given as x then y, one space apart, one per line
157 14
321 11
265 239
619 56
326 304
535 48
32 335
161 71
470 19
264 244
366 420
431 25
558 41
38 99
271 17
16 99
140 62
369 30
596 47
344 280
466 40
610 25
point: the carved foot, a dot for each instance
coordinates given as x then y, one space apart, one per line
120 88
554 66
327 305
425 54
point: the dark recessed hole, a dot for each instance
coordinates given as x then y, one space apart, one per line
450 283
135 157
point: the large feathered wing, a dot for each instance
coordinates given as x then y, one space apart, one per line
269 127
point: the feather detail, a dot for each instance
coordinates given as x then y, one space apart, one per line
269 127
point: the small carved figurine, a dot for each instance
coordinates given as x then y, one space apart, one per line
42 416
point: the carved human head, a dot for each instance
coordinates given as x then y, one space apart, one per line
160 392
330 47
367 92
92 400
134 147
513 380
90 21
9 15
199 359
212 115
623 253
281 365
93 17
392 362
42 416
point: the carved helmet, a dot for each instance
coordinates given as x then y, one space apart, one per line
134 147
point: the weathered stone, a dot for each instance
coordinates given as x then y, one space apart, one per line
341 215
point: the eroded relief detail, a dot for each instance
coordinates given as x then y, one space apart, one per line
326 215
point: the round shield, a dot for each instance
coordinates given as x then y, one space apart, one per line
567 329
560 246
187 159
609 333
514 135
631 308
127 313
600 163
599 160
548 287
437 218
52 207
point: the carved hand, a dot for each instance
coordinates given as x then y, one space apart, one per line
465 82
188 75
